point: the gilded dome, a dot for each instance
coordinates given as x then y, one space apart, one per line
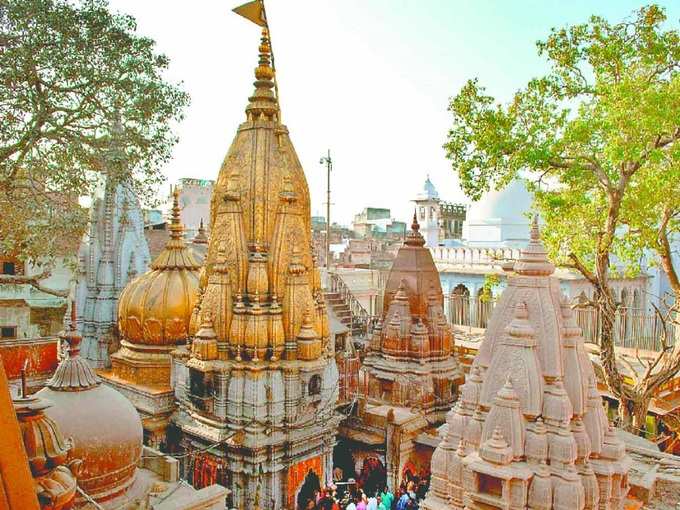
155 308
105 427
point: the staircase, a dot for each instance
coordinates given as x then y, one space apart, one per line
346 307
335 302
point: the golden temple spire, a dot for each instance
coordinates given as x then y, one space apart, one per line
175 223
265 72
175 254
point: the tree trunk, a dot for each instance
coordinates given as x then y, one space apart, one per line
639 414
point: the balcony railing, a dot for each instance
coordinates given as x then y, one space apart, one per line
633 328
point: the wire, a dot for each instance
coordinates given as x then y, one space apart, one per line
89 498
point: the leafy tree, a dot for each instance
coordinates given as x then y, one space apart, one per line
597 140
69 72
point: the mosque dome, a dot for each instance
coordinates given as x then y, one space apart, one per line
508 205
105 427
155 308
429 192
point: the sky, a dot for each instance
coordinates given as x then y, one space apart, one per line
368 79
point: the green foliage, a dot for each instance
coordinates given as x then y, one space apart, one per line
596 139
491 281
68 72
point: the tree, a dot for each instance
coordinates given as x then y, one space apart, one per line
69 72
596 138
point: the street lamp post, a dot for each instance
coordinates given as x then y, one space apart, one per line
329 166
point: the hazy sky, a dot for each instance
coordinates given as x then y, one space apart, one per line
369 79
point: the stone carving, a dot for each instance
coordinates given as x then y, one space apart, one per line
541 440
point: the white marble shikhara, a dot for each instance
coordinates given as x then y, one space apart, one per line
113 252
529 430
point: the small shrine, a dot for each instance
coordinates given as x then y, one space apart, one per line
529 429
410 375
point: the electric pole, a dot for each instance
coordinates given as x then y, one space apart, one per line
329 166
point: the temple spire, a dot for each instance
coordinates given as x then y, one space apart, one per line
414 237
533 260
175 222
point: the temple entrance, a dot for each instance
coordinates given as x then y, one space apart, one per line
306 497
373 475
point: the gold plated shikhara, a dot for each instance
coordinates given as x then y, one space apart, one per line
260 280
155 309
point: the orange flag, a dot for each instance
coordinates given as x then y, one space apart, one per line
254 11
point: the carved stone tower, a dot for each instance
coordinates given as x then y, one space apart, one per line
529 430
112 253
259 381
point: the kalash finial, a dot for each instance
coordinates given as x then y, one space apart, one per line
535 231
414 237
176 228
264 101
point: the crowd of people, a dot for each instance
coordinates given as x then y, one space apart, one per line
351 497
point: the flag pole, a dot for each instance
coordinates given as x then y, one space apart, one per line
271 49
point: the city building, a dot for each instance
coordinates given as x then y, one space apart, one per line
494 231
375 222
194 199
257 387
440 221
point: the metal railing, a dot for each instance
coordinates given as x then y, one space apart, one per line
360 318
633 327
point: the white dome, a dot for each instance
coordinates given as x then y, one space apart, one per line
499 218
508 205
429 192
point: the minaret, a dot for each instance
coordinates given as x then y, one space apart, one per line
427 210
258 364
113 251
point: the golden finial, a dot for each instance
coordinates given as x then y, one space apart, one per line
175 223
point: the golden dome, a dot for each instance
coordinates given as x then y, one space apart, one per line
155 308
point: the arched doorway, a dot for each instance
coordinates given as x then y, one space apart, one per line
460 305
484 307
308 490
373 475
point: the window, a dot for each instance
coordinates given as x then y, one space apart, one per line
490 485
8 332
422 213
9 268
314 387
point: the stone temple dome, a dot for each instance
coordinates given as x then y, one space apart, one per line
156 308
499 217
104 426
